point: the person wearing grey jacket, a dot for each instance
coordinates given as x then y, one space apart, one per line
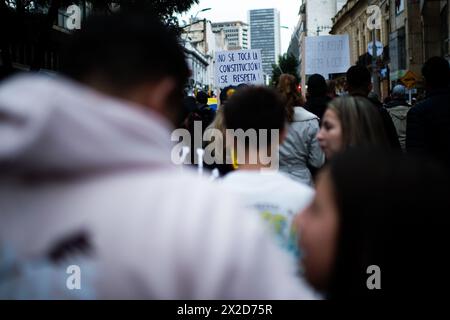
301 148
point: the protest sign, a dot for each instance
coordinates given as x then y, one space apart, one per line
238 67
327 54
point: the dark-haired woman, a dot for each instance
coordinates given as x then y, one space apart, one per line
377 228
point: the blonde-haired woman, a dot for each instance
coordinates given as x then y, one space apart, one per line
351 122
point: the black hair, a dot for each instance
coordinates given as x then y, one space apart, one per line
124 50
255 108
393 213
242 86
317 86
436 72
224 94
202 97
358 77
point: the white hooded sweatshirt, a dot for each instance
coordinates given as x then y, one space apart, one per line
77 164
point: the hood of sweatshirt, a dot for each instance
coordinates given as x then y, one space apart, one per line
52 125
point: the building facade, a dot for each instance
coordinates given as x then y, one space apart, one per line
237 33
199 34
198 66
411 32
352 20
265 35
434 22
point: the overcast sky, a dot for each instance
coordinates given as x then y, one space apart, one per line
229 10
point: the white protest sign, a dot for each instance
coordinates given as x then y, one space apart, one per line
327 54
237 67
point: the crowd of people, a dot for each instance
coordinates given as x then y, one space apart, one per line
356 209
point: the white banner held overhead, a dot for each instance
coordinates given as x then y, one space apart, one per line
238 67
327 54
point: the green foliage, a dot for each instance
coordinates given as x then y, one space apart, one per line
286 64
32 21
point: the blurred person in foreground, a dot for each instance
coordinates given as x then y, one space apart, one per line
377 228
351 122
300 153
87 181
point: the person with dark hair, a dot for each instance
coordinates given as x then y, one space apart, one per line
358 81
428 122
87 180
331 89
206 113
121 63
377 228
202 98
242 86
350 122
300 153
189 106
226 93
359 84
202 113
317 95
275 195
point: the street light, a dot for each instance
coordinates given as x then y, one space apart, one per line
188 26
192 22
294 33
202 10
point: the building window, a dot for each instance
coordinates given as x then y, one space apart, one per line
399 6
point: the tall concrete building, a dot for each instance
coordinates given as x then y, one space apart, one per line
265 35
318 16
236 32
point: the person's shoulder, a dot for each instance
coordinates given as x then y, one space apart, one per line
233 177
293 185
421 106
182 182
301 114
173 192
